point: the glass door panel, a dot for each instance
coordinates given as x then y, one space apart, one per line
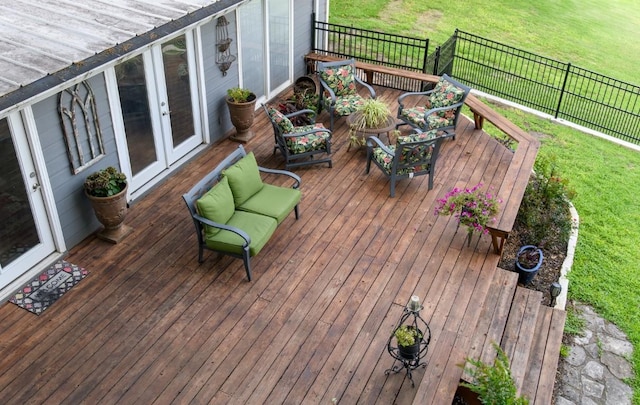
132 89
252 33
279 47
26 238
176 74
18 233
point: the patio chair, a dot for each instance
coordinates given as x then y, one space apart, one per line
412 155
339 93
299 144
441 110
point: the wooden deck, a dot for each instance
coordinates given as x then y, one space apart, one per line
151 325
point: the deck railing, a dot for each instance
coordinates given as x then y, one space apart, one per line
560 89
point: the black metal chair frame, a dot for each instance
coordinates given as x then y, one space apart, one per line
449 130
292 159
321 66
401 148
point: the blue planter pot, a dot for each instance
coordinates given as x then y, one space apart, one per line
525 275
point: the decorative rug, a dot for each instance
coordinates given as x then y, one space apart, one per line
41 292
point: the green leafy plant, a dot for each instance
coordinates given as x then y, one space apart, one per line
544 211
372 113
407 335
105 182
473 207
239 95
575 324
494 383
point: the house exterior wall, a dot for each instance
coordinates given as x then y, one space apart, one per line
302 26
73 208
216 84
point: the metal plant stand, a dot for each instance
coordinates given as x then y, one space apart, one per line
410 316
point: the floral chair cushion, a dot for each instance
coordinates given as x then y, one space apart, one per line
444 94
416 154
421 136
284 123
340 79
345 105
308 142
438 119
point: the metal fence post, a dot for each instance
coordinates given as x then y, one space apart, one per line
564 85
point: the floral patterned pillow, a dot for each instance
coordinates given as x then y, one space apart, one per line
284 123
340 79
445 94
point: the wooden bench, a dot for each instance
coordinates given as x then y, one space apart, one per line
512 188
234 212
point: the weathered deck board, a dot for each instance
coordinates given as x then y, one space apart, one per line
151 325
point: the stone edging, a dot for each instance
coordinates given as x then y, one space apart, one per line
561 301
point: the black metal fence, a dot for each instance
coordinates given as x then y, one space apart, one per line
560 89
374 47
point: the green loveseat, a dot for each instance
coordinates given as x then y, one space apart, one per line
234 212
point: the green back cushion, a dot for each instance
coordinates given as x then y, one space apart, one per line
216 205
244 178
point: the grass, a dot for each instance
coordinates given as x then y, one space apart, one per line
592 34
606 176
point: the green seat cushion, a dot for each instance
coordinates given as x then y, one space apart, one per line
258 227
216 205
244 178
273 201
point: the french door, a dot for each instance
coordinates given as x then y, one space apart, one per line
25 234
159 105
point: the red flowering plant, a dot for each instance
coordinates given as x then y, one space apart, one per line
473 207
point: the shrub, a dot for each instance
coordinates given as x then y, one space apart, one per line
544 211
494 383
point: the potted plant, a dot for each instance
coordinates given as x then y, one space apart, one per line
242 106
107 191
473 207
493 384
408 338
372 114
528 262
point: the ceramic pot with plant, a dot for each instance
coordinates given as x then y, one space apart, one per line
242 106
408 338
528 263
107 191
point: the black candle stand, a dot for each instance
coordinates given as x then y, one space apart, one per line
411 317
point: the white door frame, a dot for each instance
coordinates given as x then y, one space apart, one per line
42 203
167 154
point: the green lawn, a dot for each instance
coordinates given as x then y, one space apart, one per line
597 35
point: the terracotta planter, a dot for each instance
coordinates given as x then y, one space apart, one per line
242 118
111 212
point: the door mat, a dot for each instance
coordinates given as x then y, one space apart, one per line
41 292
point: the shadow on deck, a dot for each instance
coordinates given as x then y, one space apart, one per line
151 325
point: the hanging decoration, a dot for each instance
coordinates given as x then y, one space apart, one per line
224 58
